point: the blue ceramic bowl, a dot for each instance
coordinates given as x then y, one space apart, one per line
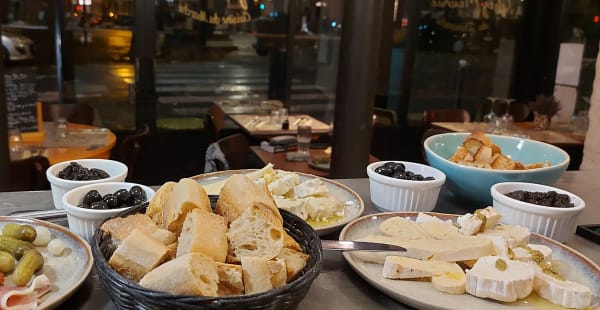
474 183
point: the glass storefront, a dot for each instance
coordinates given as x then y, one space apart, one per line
436 55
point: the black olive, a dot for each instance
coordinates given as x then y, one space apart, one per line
76 172
399 167
429 179
91 197
122 195
137 192
398 175
138 201
98 205
111 201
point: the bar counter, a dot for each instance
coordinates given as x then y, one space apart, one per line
338 286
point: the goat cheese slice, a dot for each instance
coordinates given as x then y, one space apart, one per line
514 235
445 276
508 283
525 254
284 184
565 293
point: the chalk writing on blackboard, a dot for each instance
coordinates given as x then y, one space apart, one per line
21 101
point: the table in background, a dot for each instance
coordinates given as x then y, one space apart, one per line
337 286
258 126
558 134
240 107
279 161
84 141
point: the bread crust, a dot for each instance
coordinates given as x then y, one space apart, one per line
187 194
238 193
155 207
204 232
190 274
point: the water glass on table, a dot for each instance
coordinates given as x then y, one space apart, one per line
275 117
15 139
304 137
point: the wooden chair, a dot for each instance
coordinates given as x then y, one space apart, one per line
80 113
236 148
214 122
29 174
130 150
446 115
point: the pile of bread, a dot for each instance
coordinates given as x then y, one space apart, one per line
478 151
475 255
181 246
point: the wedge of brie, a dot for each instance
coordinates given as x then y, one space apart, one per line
445 277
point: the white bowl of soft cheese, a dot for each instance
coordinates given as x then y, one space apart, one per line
391 193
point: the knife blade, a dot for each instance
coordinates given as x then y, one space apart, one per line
341 245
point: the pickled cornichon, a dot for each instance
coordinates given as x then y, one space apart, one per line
21 232
31 262
14 246
7 262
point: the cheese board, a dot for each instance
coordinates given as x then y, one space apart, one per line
422 295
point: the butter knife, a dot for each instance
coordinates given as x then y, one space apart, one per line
339 245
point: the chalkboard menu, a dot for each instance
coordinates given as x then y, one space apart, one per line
21 99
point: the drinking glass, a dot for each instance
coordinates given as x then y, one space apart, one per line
275 117
62 128
507 119
490 118
304 137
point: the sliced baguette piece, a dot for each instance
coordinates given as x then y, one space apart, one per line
240 192
204 232
158 201
295 261
262 274
257 232
190 274
290 243
230 279
137 255
187 194
120 227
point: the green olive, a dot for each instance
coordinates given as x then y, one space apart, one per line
7 262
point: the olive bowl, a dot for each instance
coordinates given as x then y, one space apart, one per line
116 170
554 222
84 221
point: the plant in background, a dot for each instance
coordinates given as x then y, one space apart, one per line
545 105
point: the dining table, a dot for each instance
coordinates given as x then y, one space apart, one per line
557 134
337 286
317 164
78 141
260 126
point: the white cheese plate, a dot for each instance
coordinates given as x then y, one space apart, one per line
66 272
337 190
422 295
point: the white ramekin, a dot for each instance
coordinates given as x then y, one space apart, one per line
391 194
117 172
84 221
556 223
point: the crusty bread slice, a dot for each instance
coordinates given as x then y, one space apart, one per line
120 227
190 274
295 261
290 243
187 194
262 274
155 206
238 193
230 279
204 232
137 255
257 232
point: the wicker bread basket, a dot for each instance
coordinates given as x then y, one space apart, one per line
127 294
